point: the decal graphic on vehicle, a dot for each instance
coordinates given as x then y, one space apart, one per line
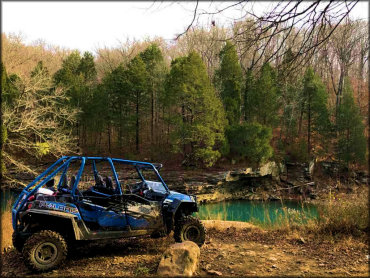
57 206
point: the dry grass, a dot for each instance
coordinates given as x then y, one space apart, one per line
6 226
346 215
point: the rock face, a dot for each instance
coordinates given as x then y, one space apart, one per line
180 259
271 168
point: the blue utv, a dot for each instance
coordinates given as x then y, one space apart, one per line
91 198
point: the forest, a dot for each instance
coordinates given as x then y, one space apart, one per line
201 101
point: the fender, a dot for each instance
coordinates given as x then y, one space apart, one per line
173 206
74 219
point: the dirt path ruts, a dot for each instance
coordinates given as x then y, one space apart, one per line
241 251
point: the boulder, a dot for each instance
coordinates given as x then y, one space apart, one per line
271 168
180 259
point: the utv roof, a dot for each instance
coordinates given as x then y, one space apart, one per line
139 164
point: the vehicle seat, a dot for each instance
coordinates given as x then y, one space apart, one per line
109 183
64 183
73 180
64 186
99 182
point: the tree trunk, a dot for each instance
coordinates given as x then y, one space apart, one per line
309 126
152 123
137 124
300 121
109 138
183 121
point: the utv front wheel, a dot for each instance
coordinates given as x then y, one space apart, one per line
190 228
44 251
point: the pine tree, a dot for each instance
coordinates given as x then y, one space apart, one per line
137 88
87 67
249 92
230 78
351 138
9 92
315 107
263 100
156 68
197 118
78 77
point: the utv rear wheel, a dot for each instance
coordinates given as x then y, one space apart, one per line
44 251
190 228
18 242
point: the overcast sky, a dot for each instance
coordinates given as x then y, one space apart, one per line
89 25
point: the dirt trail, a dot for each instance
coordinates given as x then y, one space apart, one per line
241 251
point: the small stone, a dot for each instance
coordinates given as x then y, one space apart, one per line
273 259
214 272
249 253
274 266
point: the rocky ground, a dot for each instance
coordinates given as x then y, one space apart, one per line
238 249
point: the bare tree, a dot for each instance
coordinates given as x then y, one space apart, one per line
308 20
37 123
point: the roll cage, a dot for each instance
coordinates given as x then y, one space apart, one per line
64 162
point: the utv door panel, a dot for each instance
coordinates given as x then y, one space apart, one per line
142 213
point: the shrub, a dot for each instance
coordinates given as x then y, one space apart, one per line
344 216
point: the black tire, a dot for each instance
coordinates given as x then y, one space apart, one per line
190 228
44 251
18 242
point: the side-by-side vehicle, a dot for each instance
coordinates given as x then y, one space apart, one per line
93 198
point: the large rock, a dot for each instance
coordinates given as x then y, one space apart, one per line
271 168
180 259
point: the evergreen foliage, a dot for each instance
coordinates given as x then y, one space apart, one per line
136 88
315 107
9 92
351 138
230 78
262 104
156 69
249 93
250 141
198 124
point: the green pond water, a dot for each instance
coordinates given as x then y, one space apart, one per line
270 212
